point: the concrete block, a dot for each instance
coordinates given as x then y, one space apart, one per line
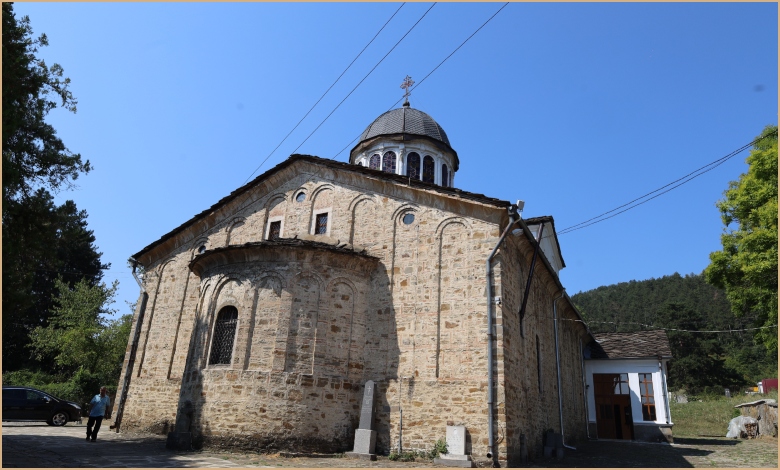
365 441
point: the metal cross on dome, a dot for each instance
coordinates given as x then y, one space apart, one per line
408 82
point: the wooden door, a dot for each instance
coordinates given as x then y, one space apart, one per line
613 406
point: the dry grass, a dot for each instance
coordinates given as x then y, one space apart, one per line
710 416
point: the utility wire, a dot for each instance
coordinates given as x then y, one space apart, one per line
326 92
674 184
736 330
249 201
363 79
429 73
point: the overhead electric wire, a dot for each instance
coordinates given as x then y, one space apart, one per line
363 79
653 327
434 69
326 92
674 184
250 201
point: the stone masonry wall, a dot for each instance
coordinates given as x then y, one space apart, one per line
528 366
295 381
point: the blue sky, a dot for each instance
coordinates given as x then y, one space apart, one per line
576 108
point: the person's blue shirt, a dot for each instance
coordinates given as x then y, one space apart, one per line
99 405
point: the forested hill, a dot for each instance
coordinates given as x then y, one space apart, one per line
634 305
711 347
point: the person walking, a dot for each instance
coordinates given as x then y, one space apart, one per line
100 404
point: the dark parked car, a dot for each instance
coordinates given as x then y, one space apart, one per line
29 404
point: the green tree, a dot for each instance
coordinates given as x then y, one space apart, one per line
33 155
79 336
746 268
41 242
698 358
638 305
40 239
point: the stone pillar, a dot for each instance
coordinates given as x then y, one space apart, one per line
365 437
456 449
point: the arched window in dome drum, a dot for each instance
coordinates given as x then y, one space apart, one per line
374 162
428 168
413 166
445 176
388 162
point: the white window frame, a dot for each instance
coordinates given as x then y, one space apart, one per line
314 213
278 218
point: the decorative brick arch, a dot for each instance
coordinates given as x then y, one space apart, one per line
445 301
451 220
401 210
352 211
200 241
232 225
319 189
214 304
341 316
304 311
159 271
264 319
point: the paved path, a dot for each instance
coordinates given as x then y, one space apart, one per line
37 445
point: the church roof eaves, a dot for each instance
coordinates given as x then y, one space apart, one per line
282 242
543 219
340 166
636 345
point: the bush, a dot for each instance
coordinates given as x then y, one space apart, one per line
406 456
79 388
440 447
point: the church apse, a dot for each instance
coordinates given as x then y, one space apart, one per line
308 338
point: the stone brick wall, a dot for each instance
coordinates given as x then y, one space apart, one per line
527 364
399 303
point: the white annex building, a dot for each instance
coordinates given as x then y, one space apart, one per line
626 382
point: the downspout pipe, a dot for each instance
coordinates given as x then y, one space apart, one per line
136 334
585 393
661 367
558 367
521 313
530 236
514 217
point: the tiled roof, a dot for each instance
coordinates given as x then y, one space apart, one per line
336 165
630 345
405 120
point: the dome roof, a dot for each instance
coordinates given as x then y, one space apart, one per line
405 120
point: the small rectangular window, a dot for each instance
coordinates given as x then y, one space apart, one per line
275 230
321 224
620 384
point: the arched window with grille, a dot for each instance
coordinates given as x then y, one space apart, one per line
374 162
224 336
428 169
413 165
388 162
445 176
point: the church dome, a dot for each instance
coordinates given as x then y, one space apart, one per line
405 120
407 132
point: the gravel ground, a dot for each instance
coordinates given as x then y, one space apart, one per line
685 453
36 445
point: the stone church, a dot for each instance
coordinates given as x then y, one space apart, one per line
262 318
